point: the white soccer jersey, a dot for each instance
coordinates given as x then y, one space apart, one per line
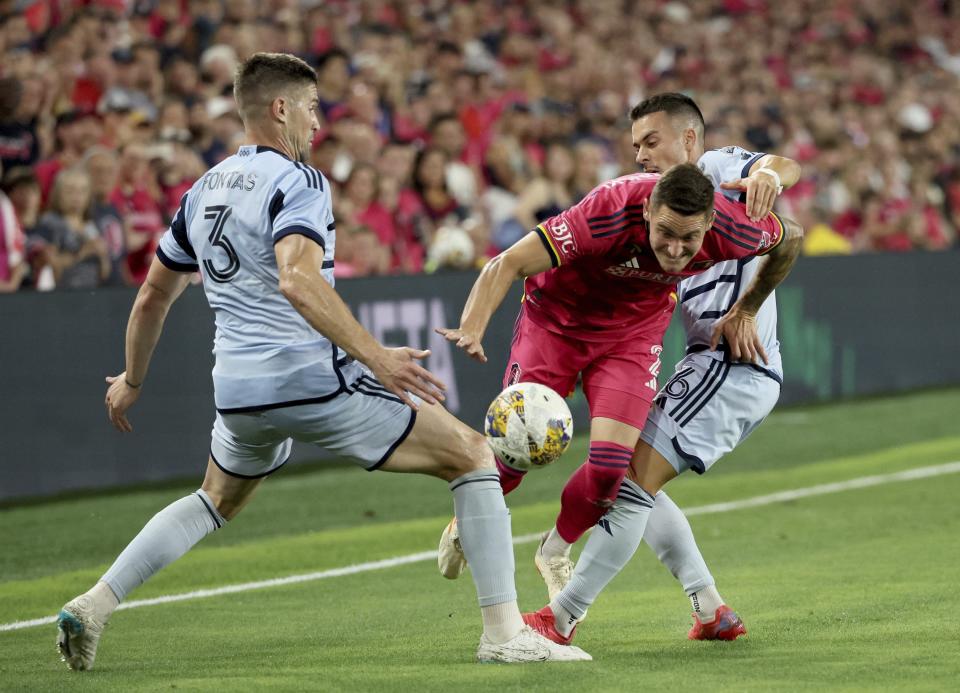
706 297
228 222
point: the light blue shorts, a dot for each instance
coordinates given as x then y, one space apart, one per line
364 424
706 409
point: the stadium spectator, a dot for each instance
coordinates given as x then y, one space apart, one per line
446 133
78 255
548 195
360 205
135 197
23 190
101 167
76 131
13 262
429 199
19 145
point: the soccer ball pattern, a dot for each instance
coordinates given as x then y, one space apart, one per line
528 426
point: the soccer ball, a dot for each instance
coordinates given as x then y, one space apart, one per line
528 426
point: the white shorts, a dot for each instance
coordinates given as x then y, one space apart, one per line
706 409
364 424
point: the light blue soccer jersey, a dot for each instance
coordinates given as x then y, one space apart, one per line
228 222
706 297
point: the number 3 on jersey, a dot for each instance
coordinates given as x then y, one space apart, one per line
220 214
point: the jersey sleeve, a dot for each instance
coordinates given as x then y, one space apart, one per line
737 236
595 226
302 205
729 163
174 250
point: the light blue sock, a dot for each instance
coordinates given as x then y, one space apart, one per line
612 543
668 533
484 524
168 535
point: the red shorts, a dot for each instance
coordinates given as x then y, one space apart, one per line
619 378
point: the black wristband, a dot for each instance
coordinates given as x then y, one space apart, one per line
129 384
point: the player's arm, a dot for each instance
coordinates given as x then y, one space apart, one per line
162 287
738 326
299 260
768 177
528 256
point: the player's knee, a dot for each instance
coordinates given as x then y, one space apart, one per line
224 504
471 453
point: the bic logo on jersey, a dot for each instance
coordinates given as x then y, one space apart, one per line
563 236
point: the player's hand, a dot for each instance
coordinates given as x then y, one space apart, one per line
398 371
739 328
120 397
761 194
468 342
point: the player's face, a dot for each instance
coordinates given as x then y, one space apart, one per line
302 123
675 238
661 142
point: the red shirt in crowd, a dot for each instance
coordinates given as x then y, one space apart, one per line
142 214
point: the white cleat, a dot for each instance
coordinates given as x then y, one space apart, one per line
528 646
450 556
78 633
556 571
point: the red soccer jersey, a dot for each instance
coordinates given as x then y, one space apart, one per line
606 284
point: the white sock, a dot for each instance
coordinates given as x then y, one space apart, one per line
484 525
564 621
104 601
668 533
168 535
501 622
610 547
705 603
554 545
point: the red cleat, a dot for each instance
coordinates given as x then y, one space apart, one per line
726 625
543 622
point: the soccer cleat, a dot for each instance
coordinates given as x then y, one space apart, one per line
556 571
544 622
726 625
528 646
78 633
450 556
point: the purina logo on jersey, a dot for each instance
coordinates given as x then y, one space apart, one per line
631 269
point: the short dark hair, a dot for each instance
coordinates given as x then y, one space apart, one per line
19 176
331 55
672 103
685 190
441 118
264 76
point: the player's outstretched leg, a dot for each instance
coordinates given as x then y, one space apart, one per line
669 534
442 446
166 537
450 558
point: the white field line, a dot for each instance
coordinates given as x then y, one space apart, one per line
756 501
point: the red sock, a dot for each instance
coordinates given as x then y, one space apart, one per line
509 478
592 489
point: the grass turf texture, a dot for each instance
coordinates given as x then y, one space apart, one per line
844 591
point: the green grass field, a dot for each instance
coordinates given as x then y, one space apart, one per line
844 591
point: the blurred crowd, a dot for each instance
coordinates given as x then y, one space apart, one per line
451 128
